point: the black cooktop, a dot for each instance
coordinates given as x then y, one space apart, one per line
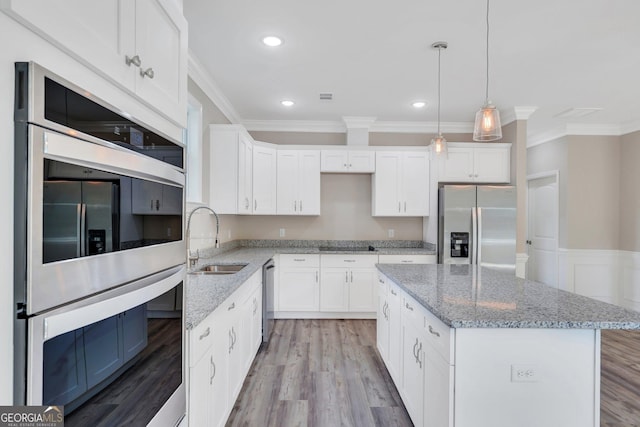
346 249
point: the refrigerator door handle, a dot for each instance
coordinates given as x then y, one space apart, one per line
79 230
479 239
473 259
83 230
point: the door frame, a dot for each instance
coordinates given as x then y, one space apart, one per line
548 174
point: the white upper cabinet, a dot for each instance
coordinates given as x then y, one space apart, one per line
401 184
229 184
245 175
298 182
120 40
490 163
348 161
264 180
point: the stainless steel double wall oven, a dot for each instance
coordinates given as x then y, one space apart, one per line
99 202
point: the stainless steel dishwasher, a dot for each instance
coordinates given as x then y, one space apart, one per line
268 270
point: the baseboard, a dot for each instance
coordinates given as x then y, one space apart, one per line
521 265
322 315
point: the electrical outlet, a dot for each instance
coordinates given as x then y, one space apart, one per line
391 232
282 233
524 374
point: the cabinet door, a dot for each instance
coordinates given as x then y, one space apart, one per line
134 331
264 180
362 161
256 321
362 290
63 369
415 184
412 371
200 395
99 34
382 323
245 176
458 167
237 360
299 289
218 402
438 396
161 44
334 161
103 349
395 335
146 197
386 183
309 183
287 183
334 294
492 165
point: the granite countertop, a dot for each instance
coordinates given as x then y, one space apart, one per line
465 296
205 292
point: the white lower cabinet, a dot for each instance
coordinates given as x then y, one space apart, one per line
417 350
221 350
299 286
347 283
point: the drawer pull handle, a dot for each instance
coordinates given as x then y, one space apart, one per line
415 346
406 304
300 259
205 333
349 260
213 370
231 307
433 331
406 261
380 280
393 293
418 356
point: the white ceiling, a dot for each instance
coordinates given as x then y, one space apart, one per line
375 57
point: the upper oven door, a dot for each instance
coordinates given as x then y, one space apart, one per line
98 217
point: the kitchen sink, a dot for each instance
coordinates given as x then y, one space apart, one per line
220 269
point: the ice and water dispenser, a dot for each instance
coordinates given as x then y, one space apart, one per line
459 245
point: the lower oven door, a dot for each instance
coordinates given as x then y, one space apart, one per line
88 235
116 343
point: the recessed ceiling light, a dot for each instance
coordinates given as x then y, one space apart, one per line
272 41
419 104
287 103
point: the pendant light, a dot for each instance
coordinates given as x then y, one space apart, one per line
439 143
487 126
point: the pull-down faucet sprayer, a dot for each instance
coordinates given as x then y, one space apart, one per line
193 259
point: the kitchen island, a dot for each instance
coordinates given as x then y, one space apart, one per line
470 346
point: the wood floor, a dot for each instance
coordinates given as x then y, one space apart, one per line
153 378
620 379
319 373
328 373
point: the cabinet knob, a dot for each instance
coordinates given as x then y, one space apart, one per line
147 73
132 60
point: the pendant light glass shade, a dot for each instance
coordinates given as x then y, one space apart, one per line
487 126
439 145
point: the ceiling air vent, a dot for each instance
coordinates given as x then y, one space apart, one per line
574 113
326 96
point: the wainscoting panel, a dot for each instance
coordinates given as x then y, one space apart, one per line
592 273
630 279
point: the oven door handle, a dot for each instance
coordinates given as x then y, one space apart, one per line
83 230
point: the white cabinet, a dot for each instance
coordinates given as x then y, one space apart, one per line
407 259
152 198
400 184
106 35
245 175
361 161
221 350
474 163
298 182
394 310
347 283
412 390
299 286
264 180
382 323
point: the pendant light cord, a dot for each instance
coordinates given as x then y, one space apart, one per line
487 58
439 53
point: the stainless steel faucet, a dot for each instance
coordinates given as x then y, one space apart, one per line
193 259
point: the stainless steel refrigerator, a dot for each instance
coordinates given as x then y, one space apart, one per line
79 219
477 225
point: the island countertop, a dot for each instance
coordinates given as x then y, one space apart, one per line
465 296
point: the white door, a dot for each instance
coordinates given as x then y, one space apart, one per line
362 161
362 290
264 180
542 265
245 181
386 184
334 161
309 183
299 289
334 290
287 183
415 184
458 166
491 165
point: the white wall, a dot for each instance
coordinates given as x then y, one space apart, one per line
19 44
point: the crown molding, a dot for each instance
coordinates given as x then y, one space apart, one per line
629 127
580 129
517 113
203 79
295 126
593 129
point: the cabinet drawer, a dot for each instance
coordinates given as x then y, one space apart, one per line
407 259
299 260
411 310
439 336
349 261
200 339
